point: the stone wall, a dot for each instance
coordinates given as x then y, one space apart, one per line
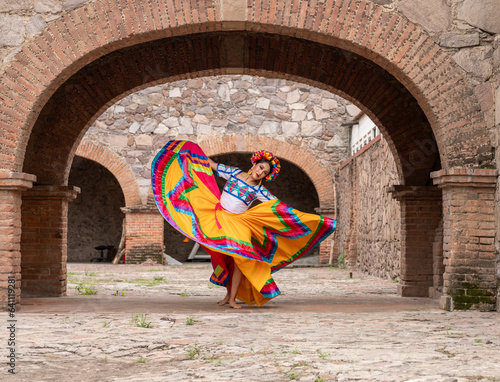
369 219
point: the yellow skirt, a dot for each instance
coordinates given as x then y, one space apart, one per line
259 241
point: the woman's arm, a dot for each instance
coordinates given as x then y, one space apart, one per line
213 165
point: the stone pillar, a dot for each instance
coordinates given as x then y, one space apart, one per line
326 246
44 239
11 187
421 214
469 229
144 227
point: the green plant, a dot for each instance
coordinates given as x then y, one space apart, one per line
281 355
319 379
293 376
155 281
118 293
211 359
446 353
184 294
321 354
190 320
85 290
91 274
478 341
107 324
140 321
193 351
341 260
142 360
300 364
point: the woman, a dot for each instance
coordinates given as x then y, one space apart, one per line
246 245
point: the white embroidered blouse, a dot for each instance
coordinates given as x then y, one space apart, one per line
237 195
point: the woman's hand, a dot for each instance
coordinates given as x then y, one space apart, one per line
213 165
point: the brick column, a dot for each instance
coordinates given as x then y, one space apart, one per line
469 229
44 239
11 187
144 226
421 214
326 246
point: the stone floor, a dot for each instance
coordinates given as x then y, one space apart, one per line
162 323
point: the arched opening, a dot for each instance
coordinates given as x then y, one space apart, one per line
94 217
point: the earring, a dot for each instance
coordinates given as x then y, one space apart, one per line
250 172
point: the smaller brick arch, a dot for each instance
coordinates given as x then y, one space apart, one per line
318 174
116 166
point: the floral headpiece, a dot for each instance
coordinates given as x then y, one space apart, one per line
275 163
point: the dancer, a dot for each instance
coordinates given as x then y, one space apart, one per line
246 245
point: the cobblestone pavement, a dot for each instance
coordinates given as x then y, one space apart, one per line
161 323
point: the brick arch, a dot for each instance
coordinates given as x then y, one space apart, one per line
95 54
116 166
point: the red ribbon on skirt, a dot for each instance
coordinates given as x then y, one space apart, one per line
217 207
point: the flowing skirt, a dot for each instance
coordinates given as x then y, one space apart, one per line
260 241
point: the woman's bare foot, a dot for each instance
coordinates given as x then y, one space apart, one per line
224 301
234 305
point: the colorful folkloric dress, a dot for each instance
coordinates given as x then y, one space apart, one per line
260 240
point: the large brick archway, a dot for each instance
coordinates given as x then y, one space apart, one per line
63 78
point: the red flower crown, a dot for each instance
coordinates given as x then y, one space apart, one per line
275 163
